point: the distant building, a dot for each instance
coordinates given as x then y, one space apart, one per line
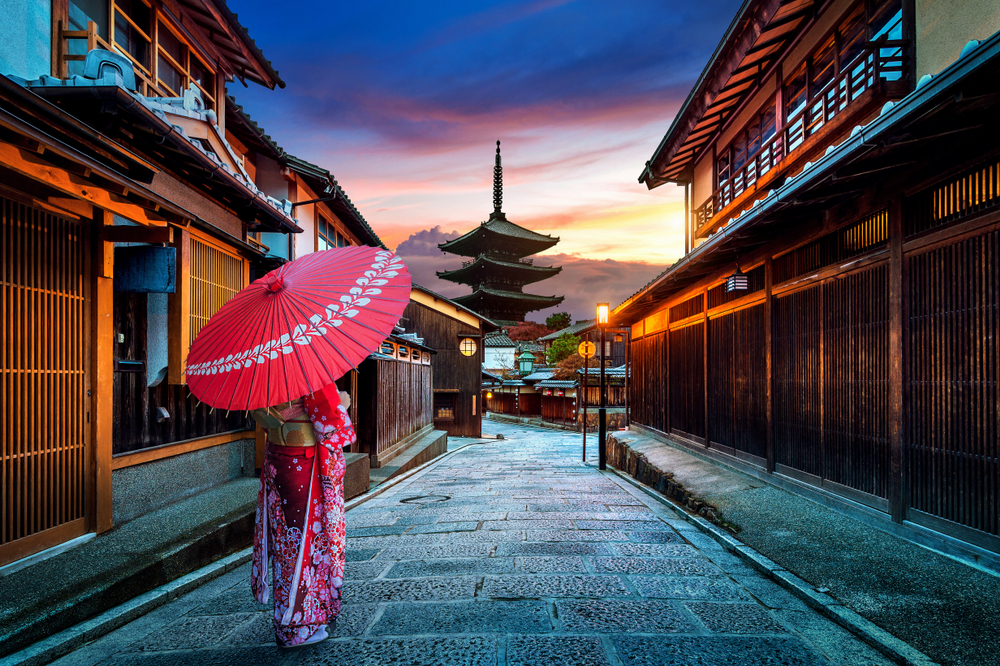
498 269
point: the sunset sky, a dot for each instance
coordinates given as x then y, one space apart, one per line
404 103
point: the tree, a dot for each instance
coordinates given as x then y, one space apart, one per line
527 331
559 321
566 369
563 346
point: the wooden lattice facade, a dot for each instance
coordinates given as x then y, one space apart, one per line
799 375
44 377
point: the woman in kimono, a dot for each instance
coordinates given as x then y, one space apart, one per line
299 536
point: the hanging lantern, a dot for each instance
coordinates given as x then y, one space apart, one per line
737 281
489 395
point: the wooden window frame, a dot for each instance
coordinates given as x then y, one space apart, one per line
179 303
148 78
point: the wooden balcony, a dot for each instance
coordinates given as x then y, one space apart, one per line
871 80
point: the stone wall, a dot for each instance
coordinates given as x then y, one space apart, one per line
139 489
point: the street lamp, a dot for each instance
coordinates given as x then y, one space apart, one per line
602 412
525 362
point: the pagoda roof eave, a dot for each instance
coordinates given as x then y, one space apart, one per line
496 229
486 294
526 273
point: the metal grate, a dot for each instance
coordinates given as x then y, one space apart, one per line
689 308
869 234
43 403
975 191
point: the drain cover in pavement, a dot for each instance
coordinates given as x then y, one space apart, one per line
425 499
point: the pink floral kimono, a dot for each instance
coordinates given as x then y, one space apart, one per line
299 536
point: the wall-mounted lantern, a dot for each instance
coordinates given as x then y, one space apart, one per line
489 395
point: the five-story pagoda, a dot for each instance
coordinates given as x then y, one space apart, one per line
498 269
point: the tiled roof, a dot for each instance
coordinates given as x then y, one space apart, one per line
489 375
485 236
557 383
575 329
539 375
507 228
111 73
608 372
498 339
486 321
516 295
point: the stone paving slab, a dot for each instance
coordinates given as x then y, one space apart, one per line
593 577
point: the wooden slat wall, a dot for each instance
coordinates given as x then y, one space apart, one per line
502 403
798 437
687 379
43 338
832 379
556 409
648 387
953 420
592 394
737 380
856 381
398 402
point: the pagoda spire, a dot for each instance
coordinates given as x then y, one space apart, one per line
497 183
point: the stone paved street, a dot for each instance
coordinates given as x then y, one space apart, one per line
510 552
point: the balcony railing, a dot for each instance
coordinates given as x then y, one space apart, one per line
885 60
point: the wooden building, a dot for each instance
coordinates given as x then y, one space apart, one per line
456 334
840 162
392 398
498 269
127 221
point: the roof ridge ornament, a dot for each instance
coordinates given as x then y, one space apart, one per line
497 182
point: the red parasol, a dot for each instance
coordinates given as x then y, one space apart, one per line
298 328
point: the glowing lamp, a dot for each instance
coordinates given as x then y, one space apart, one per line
467 347
602 313
737 281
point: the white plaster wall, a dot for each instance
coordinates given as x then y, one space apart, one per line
26 38
943 27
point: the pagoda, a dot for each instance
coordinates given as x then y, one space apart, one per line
498 268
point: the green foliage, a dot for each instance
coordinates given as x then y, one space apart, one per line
562 347
558 321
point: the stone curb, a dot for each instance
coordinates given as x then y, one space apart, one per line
636 465
879 638
64 642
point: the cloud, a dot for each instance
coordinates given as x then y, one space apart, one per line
425 243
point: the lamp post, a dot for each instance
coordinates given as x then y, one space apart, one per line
602 412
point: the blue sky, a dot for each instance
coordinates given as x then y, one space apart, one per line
405 101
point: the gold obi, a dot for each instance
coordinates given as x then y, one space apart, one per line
293 432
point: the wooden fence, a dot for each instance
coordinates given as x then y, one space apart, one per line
395 400
559 409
